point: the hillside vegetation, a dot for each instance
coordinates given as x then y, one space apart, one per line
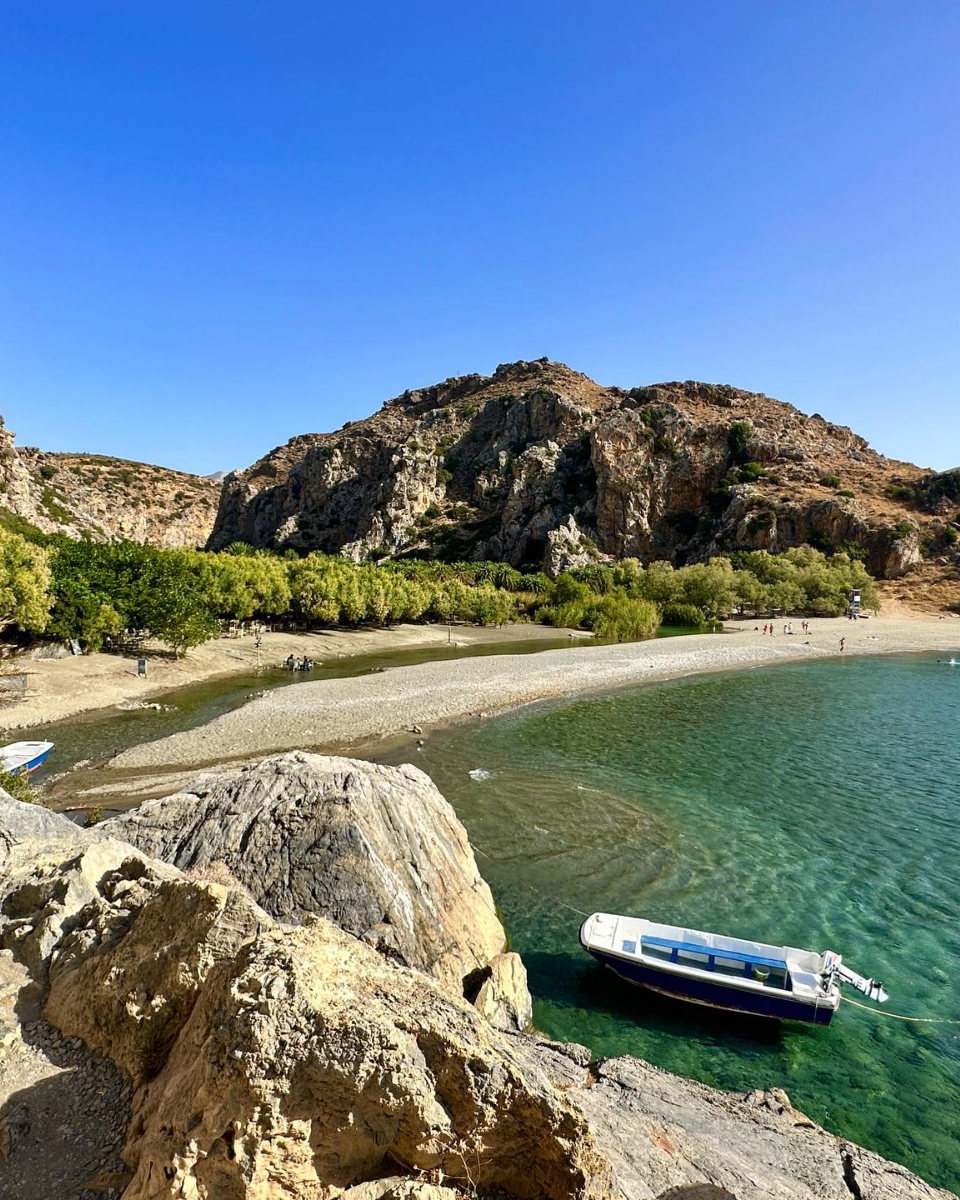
540 467
101 593
103 498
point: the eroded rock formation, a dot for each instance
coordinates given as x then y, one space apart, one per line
274 1060
377 850
539 465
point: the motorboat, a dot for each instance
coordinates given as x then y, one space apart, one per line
20 758
724 972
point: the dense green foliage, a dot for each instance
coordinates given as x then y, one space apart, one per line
101 594
24 583
101 589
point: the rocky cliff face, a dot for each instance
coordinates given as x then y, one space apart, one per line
242 1057
105 498
539 465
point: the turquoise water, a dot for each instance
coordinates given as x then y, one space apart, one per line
815 805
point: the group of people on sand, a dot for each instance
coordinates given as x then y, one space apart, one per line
298 664
787 629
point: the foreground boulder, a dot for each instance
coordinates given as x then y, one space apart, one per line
273 1060
375 849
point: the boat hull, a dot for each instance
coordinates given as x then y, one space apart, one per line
778 1006
33 764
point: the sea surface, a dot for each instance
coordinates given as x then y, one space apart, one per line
816 805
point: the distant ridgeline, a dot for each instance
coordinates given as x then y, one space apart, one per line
538 466
542 491
101 593
103 498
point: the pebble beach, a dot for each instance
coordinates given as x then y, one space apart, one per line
351 713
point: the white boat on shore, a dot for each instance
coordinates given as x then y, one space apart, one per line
723 972
20 758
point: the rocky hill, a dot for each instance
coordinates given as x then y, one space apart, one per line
539 465
104 498
162 1035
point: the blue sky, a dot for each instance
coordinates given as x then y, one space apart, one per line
222 224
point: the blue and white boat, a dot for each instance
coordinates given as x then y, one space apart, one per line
723 972
20 758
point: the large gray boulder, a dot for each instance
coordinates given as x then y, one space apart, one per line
20 822
377 850
669 1137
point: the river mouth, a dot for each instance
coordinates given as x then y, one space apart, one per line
83 744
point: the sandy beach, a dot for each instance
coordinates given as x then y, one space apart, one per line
347 713
64 687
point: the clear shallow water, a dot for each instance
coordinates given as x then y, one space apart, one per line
816 805
101 733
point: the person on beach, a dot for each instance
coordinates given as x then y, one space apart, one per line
288 662
843 644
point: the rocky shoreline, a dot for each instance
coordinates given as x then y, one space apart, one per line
272 969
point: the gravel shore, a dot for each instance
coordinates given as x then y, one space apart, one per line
60 688
347 712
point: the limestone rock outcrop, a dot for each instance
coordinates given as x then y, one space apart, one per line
669 1137
375 849
274 1060
503 996
538 465
17 488
103 498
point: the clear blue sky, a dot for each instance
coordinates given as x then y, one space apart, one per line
222 224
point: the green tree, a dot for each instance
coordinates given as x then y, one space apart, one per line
25 582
